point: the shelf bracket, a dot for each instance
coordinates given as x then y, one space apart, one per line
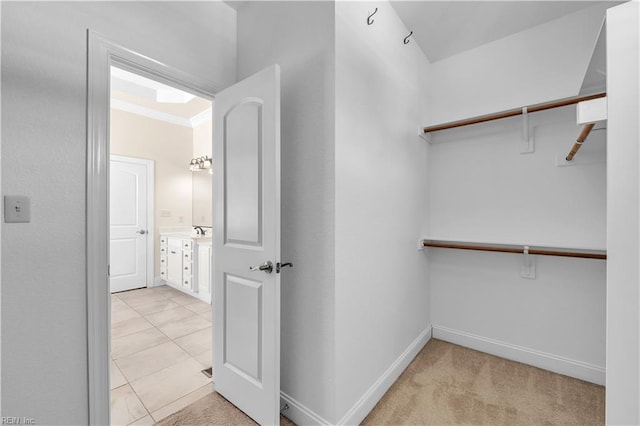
527 146
528 269
425 136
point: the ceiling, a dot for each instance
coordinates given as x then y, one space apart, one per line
184 110
446 28
139 95
236 4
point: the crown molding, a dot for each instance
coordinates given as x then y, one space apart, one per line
149 112
201 117
192 122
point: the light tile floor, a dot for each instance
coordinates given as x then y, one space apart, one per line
160 342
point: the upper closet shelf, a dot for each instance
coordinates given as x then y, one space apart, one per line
511 113
517 248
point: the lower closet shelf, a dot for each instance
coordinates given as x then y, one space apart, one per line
517 248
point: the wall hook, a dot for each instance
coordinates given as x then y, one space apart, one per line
369 18
406 39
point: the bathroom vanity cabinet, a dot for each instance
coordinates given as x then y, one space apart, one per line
185 264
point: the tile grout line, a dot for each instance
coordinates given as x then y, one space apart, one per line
144 349
153 326
141 402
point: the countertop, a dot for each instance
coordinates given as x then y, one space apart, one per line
199 239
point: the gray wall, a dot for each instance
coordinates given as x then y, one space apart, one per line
483 189
382 280
623 215
299 36
44 348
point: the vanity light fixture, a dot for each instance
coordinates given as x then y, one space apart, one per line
201 163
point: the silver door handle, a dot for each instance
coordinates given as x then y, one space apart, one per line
141 232
266 267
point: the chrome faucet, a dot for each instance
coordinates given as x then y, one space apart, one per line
199 230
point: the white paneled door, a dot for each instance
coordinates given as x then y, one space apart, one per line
128 218
247 245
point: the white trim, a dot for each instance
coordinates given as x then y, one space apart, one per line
365 404
150 113
154 114
103 53
298 413
557 364
150 165
201 117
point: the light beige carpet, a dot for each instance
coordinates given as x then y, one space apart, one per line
213 409
451 385
447 384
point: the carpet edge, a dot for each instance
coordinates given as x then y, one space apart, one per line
557 364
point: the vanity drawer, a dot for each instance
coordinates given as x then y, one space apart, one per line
163 261
164 250
163 240
186 268
186 282
186 255
187 244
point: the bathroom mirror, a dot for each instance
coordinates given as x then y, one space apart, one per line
202 199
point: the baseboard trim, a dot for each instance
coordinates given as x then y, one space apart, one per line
299 413
365 404
557 364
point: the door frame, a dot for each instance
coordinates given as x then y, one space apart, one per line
101 55
150 165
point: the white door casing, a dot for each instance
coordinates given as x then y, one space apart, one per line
129 215
247 234
102 54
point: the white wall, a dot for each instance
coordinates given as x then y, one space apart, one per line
484 190
382 286
44 315
170 146
623 215
202 181
544 63
299 36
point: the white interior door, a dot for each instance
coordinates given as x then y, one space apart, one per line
247 235
128 193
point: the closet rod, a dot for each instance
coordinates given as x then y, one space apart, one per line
581 138
512 113
515 249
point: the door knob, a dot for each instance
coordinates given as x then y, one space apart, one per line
279 266
141 232
266 267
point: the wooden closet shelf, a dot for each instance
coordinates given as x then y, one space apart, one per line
512 113
512 248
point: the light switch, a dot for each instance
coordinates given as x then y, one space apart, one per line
17 209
